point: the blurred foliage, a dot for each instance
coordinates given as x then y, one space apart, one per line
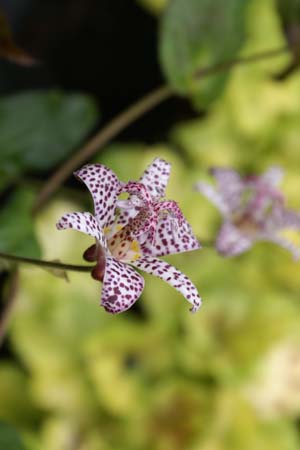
9 438
289 12
17 234
40 139
157 377
199 34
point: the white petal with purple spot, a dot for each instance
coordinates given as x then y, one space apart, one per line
273 176
122 286
156 177
230 186
211 193
104 187
231 242
172 276
169 239
84 222
290 219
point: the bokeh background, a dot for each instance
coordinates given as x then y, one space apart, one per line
73 377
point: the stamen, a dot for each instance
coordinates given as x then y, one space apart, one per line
139 191
150 211
170 207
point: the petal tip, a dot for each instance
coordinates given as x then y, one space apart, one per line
198 245
60 225
110 310
195 307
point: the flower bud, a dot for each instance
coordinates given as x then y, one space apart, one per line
98 271
90 254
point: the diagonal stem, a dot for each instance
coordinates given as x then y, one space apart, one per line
49 264
227 65
131 114
108 132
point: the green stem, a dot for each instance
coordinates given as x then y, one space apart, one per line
100 139
41 263
223 66
130 115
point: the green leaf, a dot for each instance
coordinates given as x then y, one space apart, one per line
17 234
289 10
197 34
40 129
289 13
9 438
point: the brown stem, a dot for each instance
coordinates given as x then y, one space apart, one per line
41 263
112 129
226 65
127 117
9 304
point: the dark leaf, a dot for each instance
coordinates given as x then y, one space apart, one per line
9 438
39 129
17 235
197 34
289 12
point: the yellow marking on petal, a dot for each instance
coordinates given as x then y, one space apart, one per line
135 246
112 230
133 253
107 230
136 257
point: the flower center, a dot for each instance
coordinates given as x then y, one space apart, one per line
257 211
246 224
123 247
149 212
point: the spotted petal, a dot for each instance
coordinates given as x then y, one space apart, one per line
169 240
290 219
211 193
122 286
172 276
273 176
104 187
156 177
231 241
230 185
84 222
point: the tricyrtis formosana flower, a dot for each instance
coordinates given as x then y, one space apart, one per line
253 209
133 232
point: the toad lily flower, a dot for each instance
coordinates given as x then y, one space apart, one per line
253 209
133 232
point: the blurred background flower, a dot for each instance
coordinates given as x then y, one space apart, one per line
156 377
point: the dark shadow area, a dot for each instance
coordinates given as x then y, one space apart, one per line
102 47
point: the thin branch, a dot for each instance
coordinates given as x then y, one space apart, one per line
227 65
111 130
49 264
9 304
130 115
